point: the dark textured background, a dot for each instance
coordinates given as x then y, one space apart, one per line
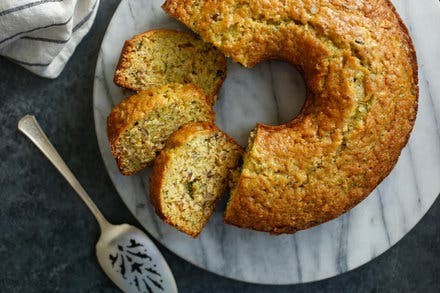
47 235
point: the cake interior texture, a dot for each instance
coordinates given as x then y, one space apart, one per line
196 175
163 56
161 113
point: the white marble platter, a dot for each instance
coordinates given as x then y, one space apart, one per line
273 93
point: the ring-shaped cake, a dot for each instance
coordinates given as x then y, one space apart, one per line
360 70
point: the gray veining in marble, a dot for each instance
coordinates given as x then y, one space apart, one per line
272 93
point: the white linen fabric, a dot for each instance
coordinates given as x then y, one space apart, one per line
41 35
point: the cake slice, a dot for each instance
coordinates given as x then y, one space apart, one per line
139 126
158 57
191 174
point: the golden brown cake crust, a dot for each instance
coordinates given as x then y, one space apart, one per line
130 46
360 70
160 167
128 111
156 182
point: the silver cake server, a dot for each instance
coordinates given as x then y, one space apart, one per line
125 253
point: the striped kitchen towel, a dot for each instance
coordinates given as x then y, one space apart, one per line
41 35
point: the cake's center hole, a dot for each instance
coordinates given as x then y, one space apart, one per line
271 93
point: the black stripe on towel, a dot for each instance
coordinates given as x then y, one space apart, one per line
77 26
86 18
35 29
28 5
46 40
55 41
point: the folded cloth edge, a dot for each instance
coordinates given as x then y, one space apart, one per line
58 63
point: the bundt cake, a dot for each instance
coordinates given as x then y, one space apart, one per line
139 126
158 57
360 70
191 173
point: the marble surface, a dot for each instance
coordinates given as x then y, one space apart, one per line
272 93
